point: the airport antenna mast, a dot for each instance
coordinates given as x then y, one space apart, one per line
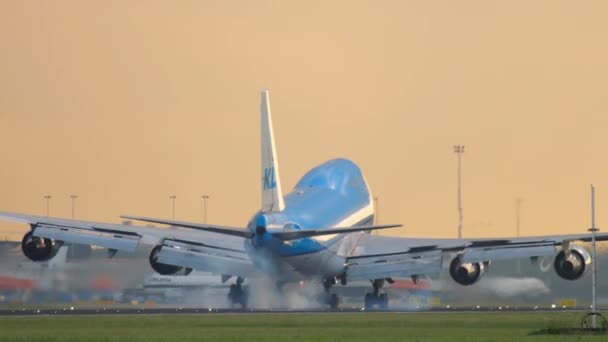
593 231
459 150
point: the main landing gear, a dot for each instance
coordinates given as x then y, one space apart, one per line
376 300
237 294
331 299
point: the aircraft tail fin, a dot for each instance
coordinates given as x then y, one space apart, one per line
272 196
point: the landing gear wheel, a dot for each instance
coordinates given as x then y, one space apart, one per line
383 301
237 294
369 301
333 301
376 300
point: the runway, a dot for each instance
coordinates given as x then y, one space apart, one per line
71 311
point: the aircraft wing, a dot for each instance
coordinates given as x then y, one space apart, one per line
201 250
384 257
205 257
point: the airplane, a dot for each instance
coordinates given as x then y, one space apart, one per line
319 231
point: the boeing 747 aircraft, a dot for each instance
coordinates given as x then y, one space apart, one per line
317 232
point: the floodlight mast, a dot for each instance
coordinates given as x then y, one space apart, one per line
459 150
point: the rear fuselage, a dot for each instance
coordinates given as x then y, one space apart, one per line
333 194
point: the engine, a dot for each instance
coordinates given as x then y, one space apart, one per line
37 248
164 269
572 265
466 273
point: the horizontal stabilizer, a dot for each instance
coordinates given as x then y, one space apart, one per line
206 227
299 234
282 235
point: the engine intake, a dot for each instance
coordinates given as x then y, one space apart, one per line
160 268
36 248
466 273
573 264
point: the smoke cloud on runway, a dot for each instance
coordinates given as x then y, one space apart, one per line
264 294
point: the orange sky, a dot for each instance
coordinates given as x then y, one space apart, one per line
127 102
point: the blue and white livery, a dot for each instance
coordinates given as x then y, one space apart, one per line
318 231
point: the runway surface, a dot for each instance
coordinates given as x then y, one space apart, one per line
71 311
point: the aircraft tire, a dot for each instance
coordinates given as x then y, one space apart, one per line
369 301
383 301
379 302
237 295
333 301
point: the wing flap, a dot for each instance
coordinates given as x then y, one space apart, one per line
396 265
206 258
114 240
507 252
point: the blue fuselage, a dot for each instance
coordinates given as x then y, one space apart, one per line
333 194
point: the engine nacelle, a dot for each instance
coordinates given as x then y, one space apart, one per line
161 268
466 273
572 265
37 248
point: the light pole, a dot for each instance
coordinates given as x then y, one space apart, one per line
377 211
172 198
71 250
48 203
205 198
73 197
459 150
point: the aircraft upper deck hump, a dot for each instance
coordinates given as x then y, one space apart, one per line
272 196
